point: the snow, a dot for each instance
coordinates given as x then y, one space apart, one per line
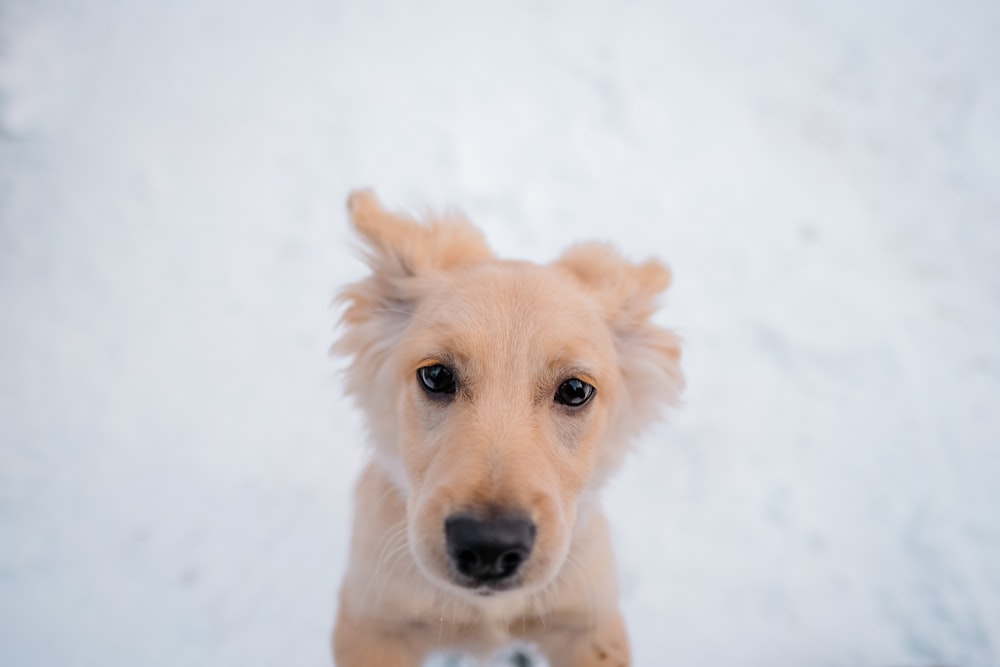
176 459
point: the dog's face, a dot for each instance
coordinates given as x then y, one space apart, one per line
499 393
504 383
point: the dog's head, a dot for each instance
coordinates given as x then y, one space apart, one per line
499 394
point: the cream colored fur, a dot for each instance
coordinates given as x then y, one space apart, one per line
514 331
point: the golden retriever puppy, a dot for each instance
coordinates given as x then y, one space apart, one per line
500 395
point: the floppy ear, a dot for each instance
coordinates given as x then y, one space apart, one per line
404 256
400 247
648 355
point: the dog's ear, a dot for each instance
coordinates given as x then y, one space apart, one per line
399 247
404 254
648 354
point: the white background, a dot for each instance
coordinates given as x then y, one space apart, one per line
175 455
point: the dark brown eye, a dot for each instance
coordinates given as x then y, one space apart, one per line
437 379
574 393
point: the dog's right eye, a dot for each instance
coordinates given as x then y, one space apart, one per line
574 392
437 379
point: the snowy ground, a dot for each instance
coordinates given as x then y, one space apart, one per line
824 178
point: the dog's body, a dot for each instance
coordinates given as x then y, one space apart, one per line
500 395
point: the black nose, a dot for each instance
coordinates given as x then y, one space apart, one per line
488 550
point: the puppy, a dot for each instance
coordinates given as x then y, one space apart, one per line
500 395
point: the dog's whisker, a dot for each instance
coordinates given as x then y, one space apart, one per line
382 498
395 557
587 587
388 539
538 610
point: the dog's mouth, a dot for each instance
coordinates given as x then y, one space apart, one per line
486 589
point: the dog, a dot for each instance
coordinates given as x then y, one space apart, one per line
499 396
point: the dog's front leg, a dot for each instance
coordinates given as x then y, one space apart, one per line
360 643
601 645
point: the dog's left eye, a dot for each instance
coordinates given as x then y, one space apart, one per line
437 379
574 393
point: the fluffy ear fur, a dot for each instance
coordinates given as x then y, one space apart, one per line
649 355
398 247
404 256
